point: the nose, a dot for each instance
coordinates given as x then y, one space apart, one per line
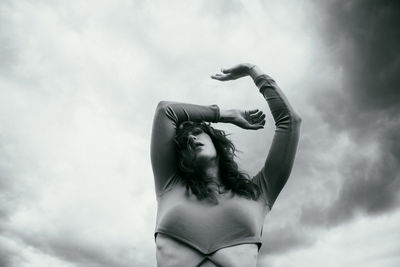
191 139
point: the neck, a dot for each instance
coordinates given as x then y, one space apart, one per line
210 170
213 172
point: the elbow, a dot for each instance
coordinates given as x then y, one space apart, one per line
162 108
296 121
163 104
165 109
296 118
288 120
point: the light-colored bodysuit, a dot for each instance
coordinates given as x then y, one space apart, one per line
199 225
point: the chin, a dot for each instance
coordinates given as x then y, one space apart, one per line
205 157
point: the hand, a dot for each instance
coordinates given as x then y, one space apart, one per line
246 119
233 73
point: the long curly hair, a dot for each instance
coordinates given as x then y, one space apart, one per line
231 177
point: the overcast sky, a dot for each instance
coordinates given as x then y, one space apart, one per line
79 83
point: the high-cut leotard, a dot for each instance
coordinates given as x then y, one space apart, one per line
234 220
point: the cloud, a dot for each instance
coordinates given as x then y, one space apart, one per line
365 242
347 165
285 238
73 249
82 81
363 40
222 9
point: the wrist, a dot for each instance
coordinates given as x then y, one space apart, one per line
255 71
227 115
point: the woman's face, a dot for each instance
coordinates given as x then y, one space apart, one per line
199 146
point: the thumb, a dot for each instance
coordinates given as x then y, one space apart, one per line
229 70
256 127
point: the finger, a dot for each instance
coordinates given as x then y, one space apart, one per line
258 119
227 77
256 114
253 111
218 77
222 77
228 70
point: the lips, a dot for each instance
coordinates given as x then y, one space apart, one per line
197 144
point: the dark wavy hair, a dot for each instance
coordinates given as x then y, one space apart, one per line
232 178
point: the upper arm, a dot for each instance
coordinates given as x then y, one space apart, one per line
278 165
167 118
163 154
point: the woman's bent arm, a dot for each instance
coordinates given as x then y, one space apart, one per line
279 162
167 118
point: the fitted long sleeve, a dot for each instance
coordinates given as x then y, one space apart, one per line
278 165
235 220
167 118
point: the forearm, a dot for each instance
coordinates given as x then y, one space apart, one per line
284 115
178 112
183 111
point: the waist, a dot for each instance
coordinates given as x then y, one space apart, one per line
210 244
169 248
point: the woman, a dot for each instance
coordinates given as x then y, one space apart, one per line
210 213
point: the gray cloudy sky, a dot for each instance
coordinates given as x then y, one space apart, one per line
79 84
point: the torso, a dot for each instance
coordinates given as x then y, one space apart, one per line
192 233
172 253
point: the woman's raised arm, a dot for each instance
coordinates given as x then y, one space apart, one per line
167 118
279 162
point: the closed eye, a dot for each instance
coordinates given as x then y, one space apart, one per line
197 131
